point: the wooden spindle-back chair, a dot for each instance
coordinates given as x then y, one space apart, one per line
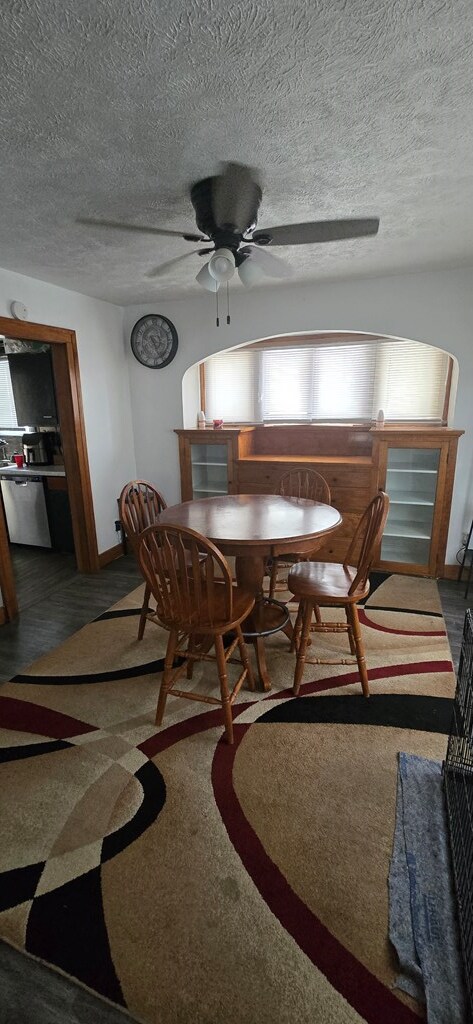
140 505
196 601
327 585
298 483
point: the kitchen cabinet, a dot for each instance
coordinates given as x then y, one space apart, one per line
33 389
414 464
416 467
207 462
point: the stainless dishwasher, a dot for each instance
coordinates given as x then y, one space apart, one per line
25 509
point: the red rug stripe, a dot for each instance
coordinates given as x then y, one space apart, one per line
27 717
211 719
399 632
384 672
182 730
368 996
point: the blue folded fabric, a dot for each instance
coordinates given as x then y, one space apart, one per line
422 915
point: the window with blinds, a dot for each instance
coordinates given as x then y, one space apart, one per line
340 381
7 405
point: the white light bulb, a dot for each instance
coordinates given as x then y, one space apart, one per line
222 265
250 273
205 279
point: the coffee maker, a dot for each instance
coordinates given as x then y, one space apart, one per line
37 448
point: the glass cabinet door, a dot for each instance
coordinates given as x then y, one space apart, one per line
411 482
209 466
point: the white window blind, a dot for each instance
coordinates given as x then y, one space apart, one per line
7 405
286 384
411 380
231 387
328 382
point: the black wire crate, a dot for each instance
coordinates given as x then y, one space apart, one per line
458 783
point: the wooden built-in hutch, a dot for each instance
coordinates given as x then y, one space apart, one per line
414 464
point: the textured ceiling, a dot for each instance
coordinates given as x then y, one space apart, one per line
348 107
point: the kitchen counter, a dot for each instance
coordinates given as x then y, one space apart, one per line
12 470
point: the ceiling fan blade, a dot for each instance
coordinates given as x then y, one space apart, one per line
163 267
272 266
140 227
236 196
317 231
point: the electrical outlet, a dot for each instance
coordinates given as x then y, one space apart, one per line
118 525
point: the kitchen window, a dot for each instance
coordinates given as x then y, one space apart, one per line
7 404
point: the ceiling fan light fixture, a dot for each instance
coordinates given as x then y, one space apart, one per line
222 265
250 273
205 279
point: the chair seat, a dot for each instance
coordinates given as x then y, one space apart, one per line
326 583
218 623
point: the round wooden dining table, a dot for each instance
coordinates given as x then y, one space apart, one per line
253 528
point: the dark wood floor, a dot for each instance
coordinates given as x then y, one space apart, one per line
56 602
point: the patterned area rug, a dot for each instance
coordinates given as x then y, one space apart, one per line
189 881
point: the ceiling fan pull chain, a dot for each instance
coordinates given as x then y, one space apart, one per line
228 306
216 299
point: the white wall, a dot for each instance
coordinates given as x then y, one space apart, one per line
104 380
436 308
433 307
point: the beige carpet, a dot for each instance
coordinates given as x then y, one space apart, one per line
189 881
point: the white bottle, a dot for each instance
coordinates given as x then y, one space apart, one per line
380 418
201 420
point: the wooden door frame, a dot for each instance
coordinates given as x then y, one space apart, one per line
76 464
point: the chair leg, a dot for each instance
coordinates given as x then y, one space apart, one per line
273 578
190 663
245 659
144 611
350 634
318 617
296 633
167 675
222 675
352 613
302 646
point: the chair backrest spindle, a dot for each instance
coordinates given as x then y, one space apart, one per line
140 506
367 538
181 567
305 483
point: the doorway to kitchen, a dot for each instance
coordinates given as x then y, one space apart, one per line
33 481
47 527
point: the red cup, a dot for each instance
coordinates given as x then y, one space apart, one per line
218 424
19 459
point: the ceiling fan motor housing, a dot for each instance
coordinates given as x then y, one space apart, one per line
227 236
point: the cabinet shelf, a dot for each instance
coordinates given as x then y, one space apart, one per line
411 469
209 490
209 463
395 500
407 550
415 531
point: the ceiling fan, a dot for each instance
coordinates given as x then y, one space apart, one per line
226 208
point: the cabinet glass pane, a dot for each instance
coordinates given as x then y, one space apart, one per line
411 482
209 470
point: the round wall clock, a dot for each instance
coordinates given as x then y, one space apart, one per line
154 341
